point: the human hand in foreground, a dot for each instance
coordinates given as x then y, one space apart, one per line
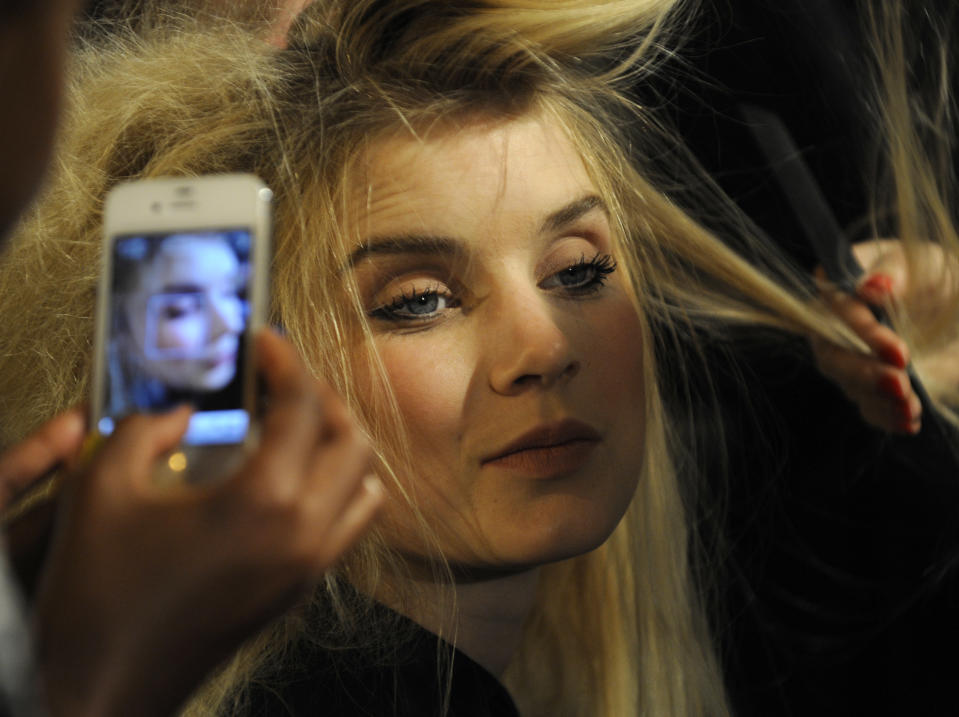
56 442
878 383
147 588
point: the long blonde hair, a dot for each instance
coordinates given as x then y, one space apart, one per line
183 101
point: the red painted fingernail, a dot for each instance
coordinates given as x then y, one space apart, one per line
904 411
891 386
893 355
910 427
878 284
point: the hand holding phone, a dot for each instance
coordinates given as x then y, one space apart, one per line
183 288
140 576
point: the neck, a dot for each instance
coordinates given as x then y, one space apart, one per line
489 619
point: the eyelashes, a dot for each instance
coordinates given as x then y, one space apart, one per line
581 279
587 276
416 305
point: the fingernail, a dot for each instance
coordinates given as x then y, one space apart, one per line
893 355
181 411
372 484
74 424
891 386
879 285
910 427
905 412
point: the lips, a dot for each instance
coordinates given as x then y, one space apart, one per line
550 450
223 352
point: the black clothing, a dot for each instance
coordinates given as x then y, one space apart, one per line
404 679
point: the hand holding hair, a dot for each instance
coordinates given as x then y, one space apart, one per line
878 383
148 588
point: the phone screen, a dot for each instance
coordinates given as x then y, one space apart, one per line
177 330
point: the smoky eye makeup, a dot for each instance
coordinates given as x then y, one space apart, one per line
413 303
578 278
407 288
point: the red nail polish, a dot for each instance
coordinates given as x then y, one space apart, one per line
892 355
891 386
878 284
910 427
904 411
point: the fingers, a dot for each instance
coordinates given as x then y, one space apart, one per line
878 290
345 493
891 403
57 441
354 520
313 455
882 340
883 258
882 392
342 451
139 440
900 406
878 384
292 425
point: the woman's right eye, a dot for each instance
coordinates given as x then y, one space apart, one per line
179 308
173 312
416 306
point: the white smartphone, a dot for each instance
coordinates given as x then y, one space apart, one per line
183 288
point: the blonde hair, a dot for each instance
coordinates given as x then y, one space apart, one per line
915 181
183 102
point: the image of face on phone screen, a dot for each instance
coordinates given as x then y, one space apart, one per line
178 316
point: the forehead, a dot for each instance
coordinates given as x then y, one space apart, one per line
193 258
504 172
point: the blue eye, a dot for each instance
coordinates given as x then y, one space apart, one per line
417 305
584 277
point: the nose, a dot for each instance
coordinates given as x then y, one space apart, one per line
529 348
226 315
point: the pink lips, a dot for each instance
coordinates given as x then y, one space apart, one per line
548 451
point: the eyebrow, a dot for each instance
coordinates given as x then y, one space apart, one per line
405 244
565 216
450 246
181 289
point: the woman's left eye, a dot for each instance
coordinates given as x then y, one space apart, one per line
584 277
415 306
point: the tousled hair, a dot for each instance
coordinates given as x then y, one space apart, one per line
185 101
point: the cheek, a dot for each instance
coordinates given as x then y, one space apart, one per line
234 314
431 382
183 334
622 335
619 382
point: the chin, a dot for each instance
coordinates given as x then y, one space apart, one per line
567 547
540 542
216 379
565 524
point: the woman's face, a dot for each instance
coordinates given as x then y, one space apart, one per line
509 338
186 315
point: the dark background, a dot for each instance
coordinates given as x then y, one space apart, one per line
839 593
